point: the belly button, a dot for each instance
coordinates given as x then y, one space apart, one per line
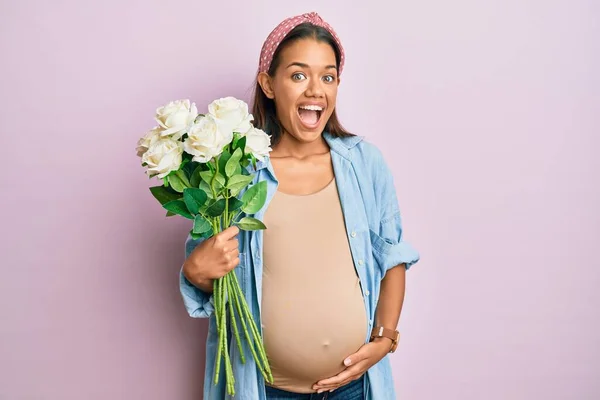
326 344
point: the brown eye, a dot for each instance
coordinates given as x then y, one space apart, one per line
298 76
329 78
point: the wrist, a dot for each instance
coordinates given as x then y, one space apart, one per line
384 342
204 284
381 333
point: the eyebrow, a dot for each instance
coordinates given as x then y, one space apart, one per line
303 65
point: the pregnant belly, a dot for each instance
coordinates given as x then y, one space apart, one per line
304 348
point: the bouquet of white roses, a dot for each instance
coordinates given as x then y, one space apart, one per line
201 160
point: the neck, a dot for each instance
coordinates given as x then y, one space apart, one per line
290 146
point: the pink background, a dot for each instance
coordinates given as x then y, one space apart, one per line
487 113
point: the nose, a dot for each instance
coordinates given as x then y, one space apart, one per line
315 88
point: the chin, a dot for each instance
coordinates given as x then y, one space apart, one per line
307 135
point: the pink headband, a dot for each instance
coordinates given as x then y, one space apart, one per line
285 27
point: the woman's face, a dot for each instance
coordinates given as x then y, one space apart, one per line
304 88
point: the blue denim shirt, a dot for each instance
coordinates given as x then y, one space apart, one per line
373 223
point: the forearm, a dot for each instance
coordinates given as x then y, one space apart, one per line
391 298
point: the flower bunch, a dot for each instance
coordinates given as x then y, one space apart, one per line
201 160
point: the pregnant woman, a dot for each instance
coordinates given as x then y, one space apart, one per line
326 278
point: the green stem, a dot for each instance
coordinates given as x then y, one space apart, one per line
228 369
217 301
232 299
220 331
238 304
237 214
265 369
212 181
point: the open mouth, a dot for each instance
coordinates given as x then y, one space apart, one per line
310 115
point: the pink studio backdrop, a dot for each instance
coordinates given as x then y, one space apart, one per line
487 112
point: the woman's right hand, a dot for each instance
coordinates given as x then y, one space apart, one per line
212 259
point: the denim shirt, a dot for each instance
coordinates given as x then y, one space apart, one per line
373 224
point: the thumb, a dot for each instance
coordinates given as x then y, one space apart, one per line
356 357
229 232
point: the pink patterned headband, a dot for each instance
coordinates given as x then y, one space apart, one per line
285 27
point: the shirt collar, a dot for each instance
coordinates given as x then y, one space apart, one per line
340 145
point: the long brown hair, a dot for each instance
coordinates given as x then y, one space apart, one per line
263 108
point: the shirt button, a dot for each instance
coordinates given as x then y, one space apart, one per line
353 234
367 293
360 262
370 322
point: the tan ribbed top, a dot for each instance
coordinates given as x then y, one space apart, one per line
313 312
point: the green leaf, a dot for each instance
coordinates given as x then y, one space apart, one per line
164 194
195 177
223 158
240 144
216 208
233 162
201 225
189 166
178 207
250 224
254 198
194 199
169 214
195 236
238 182
206 189
235 204
208 175
181 175
176 183
207 234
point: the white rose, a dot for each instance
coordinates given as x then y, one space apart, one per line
206 139
162 157
176 118
258 143
231 114
148 140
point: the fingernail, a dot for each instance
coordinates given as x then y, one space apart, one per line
320 391
347 362
332 390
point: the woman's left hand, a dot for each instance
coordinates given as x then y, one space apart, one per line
356 365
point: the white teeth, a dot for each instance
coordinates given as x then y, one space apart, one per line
312 108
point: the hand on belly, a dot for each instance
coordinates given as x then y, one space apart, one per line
303 352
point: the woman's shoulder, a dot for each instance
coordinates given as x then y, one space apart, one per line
360 150
370 154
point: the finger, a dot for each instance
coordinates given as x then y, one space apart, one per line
331 388
228 233
336 380
357 357
230 246
230 256
233 253
233 263
346 375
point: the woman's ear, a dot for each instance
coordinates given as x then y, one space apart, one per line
264 80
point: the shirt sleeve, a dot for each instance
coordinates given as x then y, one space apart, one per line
389 241
198 303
